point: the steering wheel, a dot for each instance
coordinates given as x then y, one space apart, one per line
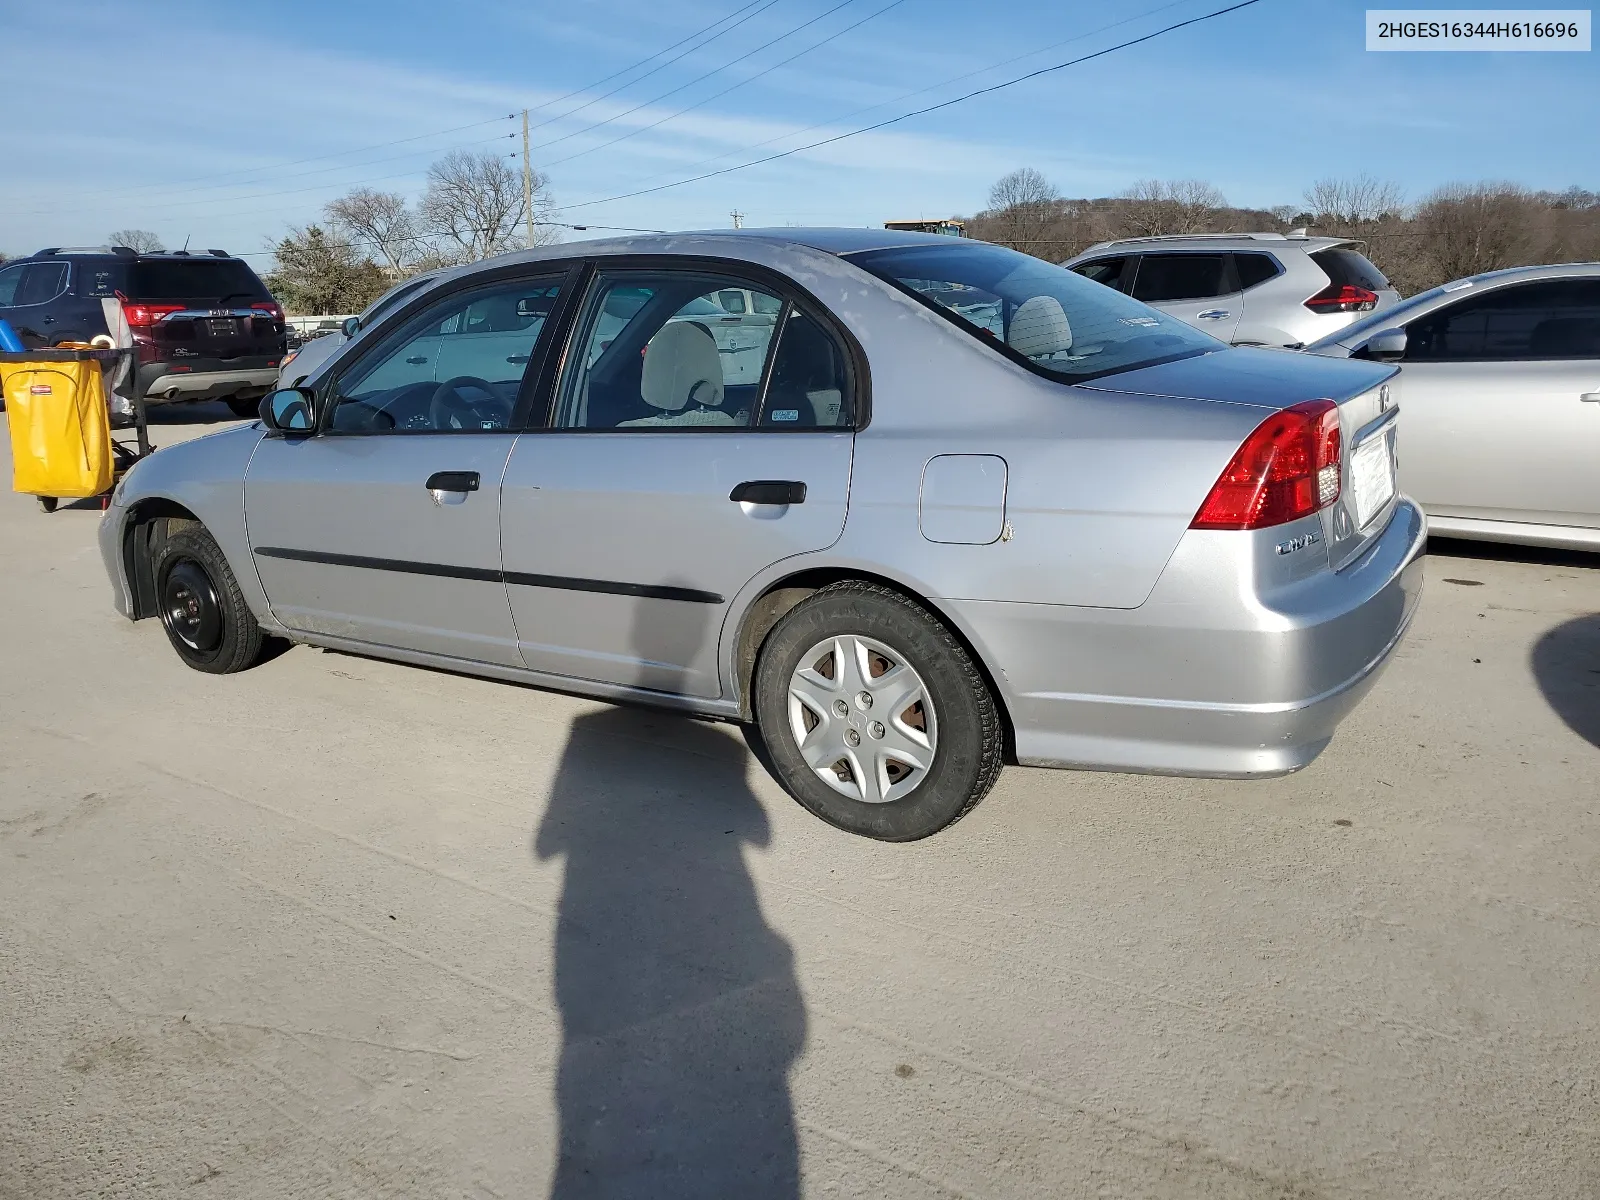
449 409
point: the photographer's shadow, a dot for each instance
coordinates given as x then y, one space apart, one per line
1566 663
680 1009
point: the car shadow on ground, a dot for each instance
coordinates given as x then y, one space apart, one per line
1566 662
1549 556
681 1012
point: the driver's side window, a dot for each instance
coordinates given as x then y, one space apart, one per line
455 367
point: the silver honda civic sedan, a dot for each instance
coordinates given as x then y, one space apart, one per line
950 506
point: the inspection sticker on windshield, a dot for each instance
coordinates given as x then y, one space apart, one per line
1371 478
1139 320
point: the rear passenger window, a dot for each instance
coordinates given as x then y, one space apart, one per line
41 282
1555 319
1103 270
1181 277
1255 268
810 385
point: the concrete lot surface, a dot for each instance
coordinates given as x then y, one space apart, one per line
340 928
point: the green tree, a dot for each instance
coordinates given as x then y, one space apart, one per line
319 271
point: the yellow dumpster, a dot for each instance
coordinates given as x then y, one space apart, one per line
60 428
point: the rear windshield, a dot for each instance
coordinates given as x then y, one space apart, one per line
1052 318
1349 268
195 279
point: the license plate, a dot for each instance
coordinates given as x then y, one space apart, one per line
1371 478
222 326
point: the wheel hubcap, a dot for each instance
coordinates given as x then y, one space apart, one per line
190 606
863 719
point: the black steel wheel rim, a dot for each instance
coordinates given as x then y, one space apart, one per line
190 608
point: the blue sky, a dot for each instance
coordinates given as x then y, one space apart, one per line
227 123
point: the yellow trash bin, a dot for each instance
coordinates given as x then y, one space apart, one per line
60 427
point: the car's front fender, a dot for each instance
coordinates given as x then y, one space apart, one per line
202 479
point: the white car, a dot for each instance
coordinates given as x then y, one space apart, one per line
1248 289
319 348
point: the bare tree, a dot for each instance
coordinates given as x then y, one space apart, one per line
1158 206
473 205
381 222
1466 229
141 240
1349 204
1022 208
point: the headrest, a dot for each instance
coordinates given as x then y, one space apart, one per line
681 367
1039 328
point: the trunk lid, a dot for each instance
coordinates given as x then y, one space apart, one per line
1275 379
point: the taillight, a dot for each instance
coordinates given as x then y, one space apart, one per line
269 307
143 316
1337 298
1288 468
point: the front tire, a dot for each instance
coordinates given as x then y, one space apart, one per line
243 407
202 609
873 716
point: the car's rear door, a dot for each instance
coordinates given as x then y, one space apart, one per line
1199 288
384 527
1494 424
657 492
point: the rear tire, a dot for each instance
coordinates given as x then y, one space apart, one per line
874 717
204 613
245 408
48 504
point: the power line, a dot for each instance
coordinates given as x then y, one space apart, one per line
172 185
699 79
984 91
764 5
751 79
933 87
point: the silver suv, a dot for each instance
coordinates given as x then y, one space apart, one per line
1251 289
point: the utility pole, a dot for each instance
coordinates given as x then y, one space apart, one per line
527 179
738 219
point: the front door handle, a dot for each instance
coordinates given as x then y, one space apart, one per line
1214 314
516 358
416 362
452 481
769 491
1590 397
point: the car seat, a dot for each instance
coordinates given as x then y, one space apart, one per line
681 379
1039 328
805 390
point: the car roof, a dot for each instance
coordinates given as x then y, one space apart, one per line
1221 241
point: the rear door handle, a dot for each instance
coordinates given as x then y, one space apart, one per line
1215 314
769 491
416 362
1590 397
516 358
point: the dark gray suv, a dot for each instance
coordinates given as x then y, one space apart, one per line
204 325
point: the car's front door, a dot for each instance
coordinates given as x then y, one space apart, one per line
1494 424
1199 289
384 527
672 474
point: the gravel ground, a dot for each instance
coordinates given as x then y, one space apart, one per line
341 928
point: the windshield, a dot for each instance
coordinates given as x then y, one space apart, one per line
1059 322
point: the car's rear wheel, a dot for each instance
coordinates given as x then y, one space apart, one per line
245 407
873 716
202 609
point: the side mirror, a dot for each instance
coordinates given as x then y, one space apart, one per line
287 411
351 326
1386 345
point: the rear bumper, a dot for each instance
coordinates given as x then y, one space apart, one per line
159 384
1212 675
